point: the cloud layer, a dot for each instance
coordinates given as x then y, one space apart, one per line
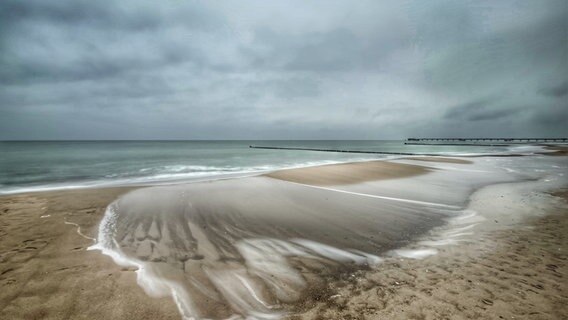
282 70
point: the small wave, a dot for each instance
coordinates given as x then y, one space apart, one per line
183 168
168 174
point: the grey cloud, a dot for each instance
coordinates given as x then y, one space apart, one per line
465 110
502 60
295 87
491 115
557 91
555 116
480 110
89 39
335 50
106 14
286 70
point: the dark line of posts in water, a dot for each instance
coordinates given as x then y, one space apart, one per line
416 141
346 151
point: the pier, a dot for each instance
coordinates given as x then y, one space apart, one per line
458 144
489 139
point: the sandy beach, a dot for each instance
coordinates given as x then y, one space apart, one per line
46 271
511 271
289 160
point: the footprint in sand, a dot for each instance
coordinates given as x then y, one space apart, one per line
6 271
551 267
538 286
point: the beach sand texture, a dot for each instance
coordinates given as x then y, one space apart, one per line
46 271
199 235
517 272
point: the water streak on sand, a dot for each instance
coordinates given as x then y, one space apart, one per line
78 230
265 258
379 197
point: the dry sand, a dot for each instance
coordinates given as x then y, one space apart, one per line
46 273
349 173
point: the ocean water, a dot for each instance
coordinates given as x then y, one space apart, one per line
46 165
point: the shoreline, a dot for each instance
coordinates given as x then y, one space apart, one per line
59 207
554 150
240 175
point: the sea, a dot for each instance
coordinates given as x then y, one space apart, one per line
27 166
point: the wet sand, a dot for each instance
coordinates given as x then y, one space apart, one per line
557 150
513 273
46 272
440 159
256 245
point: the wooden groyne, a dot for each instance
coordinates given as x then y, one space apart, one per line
346 151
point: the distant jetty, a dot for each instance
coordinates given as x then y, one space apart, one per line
345 151
422 141
458 144
489 139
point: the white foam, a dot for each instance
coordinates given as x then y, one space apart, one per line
441 242
414 254
336 253
152 284
266 259
78 229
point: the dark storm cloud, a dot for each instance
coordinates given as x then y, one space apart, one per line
138 69
96 13
554 116
557 91
480 110
78 40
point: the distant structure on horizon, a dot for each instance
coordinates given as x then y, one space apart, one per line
492 139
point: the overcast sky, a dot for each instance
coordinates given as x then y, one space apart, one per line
282 69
